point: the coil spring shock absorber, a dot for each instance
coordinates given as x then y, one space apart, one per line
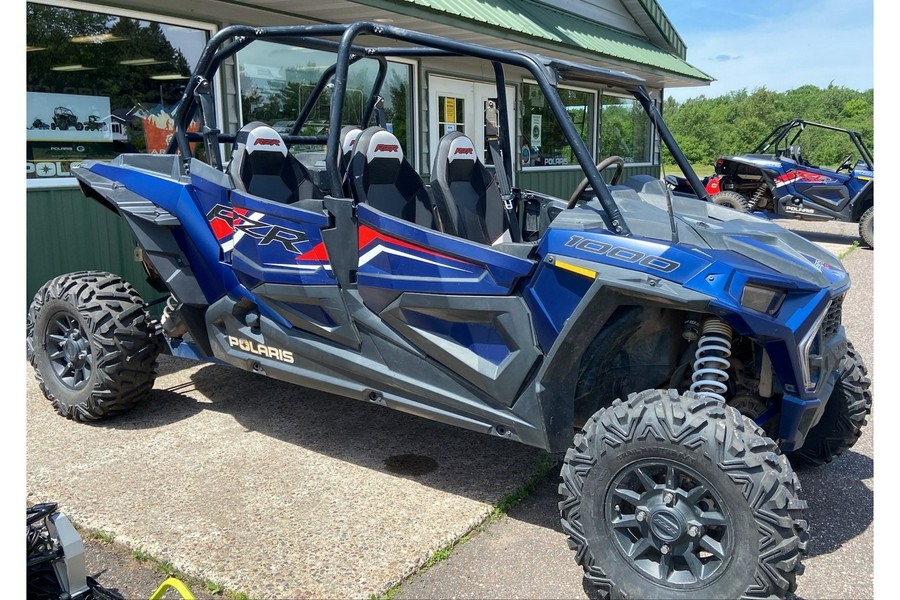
171 305
758 195
711 366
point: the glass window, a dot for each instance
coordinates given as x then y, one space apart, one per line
624 129
543 143
100 84
276 81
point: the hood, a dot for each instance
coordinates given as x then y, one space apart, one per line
706 225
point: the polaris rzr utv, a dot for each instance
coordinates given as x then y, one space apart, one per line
777 177
677 353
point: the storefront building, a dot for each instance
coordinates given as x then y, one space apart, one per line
103 79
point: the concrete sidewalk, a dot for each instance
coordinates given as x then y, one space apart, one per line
270 489
277 491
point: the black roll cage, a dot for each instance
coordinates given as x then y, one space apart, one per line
547 72
781 132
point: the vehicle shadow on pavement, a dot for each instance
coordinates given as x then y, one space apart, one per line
822 237
441 456
841 505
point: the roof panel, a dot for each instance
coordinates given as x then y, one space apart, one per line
536 20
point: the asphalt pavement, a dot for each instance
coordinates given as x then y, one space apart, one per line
274 491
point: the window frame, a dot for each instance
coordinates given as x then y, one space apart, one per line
593 138
208 27
650 142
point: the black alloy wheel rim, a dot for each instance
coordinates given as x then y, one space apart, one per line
69 351
669 524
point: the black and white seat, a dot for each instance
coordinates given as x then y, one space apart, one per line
262 166
380 177
349 135
467 189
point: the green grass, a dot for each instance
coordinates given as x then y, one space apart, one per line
852 247
102 536
164 568
140 555
543 466
701 170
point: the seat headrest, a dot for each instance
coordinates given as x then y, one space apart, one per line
384 144
259 137
383 148
349 135
461 156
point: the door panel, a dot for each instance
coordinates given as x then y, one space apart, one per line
453 299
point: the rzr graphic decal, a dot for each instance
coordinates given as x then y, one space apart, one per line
231 224
391 263
226 220
795 175
373 244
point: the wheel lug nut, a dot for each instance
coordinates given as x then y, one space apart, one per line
664 549
640 516
668 497
693 531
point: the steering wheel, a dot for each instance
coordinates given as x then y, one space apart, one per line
845 164
606 162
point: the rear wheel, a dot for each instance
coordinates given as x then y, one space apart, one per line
677 496
733 200
92 345
867 227
844 417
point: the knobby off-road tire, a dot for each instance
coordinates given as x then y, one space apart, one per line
844 417
668 496
92 345
733 200
867 227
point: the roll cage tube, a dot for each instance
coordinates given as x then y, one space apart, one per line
323 83
779 133
546 72
668 139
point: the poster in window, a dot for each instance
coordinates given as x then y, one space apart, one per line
159 127
536 125
62 129
450 110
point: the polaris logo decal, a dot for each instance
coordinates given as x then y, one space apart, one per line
799 209
245 345
625 255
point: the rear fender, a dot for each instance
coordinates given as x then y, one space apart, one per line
185 265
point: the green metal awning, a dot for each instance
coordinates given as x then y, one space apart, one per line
545 25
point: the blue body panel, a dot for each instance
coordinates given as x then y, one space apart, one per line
234 242
398 255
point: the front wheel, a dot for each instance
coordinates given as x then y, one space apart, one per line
92 345
678 496
844 417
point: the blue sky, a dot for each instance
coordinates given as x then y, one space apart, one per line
777 44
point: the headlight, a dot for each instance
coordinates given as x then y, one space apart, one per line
762 299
